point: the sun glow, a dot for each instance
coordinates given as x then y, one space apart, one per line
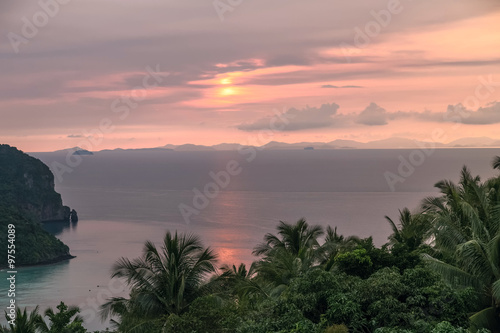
228 91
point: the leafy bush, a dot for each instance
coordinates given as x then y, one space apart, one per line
337 329
207 314
356 262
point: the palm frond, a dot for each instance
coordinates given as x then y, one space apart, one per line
454 275
496 162
473 258
485 319
495 290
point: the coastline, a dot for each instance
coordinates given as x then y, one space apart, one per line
45 262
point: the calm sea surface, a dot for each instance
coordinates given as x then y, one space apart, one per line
125 198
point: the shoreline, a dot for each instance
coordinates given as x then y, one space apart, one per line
44 263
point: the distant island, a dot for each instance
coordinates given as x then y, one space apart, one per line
75 151
389 143
82 152
28 198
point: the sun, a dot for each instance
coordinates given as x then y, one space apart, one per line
225 81
228 91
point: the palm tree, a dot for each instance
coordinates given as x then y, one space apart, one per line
162 282
24 322
293 251
235 279
279 268
496 163
241 284
412 231
466 228
66 320
298 239
336 243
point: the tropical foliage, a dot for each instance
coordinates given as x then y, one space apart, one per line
466 231
438 273
163 282
27 190
65 320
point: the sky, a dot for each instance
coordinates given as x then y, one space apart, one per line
103 74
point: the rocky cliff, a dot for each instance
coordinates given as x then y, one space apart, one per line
28 184
27 197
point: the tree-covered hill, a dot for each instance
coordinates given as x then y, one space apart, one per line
28 184
27 197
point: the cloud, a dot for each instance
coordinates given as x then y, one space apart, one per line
301 76
285 60
38 93
307 118
373 115
327 116
464 63
238 66
458 113
73 136
338 87
482 116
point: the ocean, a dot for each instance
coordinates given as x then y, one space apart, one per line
124 198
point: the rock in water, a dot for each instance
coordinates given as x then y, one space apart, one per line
73 217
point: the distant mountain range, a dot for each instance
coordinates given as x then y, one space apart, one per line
391 143
75 151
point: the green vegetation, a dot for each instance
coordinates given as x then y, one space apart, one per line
27 185
35 246
65 320
439 273
25 322
27 197
164 282
466 230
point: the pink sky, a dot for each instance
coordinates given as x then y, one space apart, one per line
220 81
